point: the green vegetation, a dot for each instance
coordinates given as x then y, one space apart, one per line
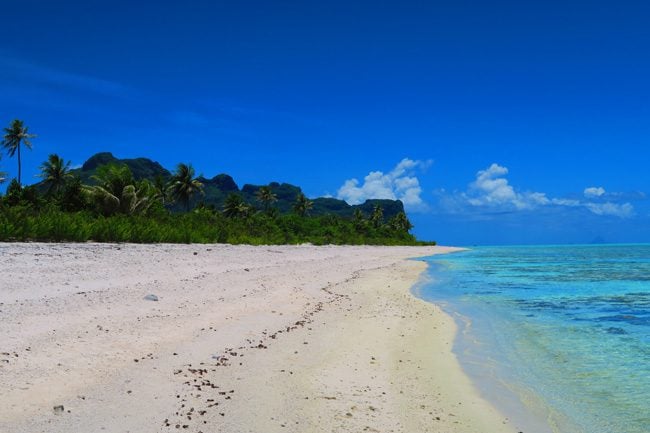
266 196
55 172
15 135
184 186
302 205
216 190
106 201
116 192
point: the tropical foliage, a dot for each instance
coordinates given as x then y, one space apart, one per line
26 222
113 205
17 134
117 192
55 172
184 186
377 217
266 196
302 205
235 207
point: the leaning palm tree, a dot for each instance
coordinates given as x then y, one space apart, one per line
266 197
137 198
302 205
184 185
15 135
55 173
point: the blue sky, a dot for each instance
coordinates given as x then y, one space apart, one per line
490 119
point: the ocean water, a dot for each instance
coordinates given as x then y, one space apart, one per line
557 336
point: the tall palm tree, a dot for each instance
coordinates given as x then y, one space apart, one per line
55 172
184 185
15 135
302 205
377 217
266 197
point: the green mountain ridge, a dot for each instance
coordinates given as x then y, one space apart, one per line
217 188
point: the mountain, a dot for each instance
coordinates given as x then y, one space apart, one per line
142 168
216 189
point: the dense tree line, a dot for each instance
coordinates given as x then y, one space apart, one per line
115 207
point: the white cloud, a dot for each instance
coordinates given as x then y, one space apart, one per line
594 191
566 202
492 190
624 210
398 184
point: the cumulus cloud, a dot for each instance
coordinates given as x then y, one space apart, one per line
398 184
492 190
594 191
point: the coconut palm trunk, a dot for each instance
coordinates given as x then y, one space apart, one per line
19 166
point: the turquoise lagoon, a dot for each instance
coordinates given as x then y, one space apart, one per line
558 337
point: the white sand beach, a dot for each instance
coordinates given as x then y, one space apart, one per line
241 339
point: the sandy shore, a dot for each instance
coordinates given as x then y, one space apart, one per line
241 339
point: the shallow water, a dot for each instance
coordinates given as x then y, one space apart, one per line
557 334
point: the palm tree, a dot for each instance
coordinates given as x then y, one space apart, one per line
377 217
302 205
15 135
266 196
359 219
137 198
55 172
117 191
73 197
358 216
184 185
234 207
160 188
400 222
